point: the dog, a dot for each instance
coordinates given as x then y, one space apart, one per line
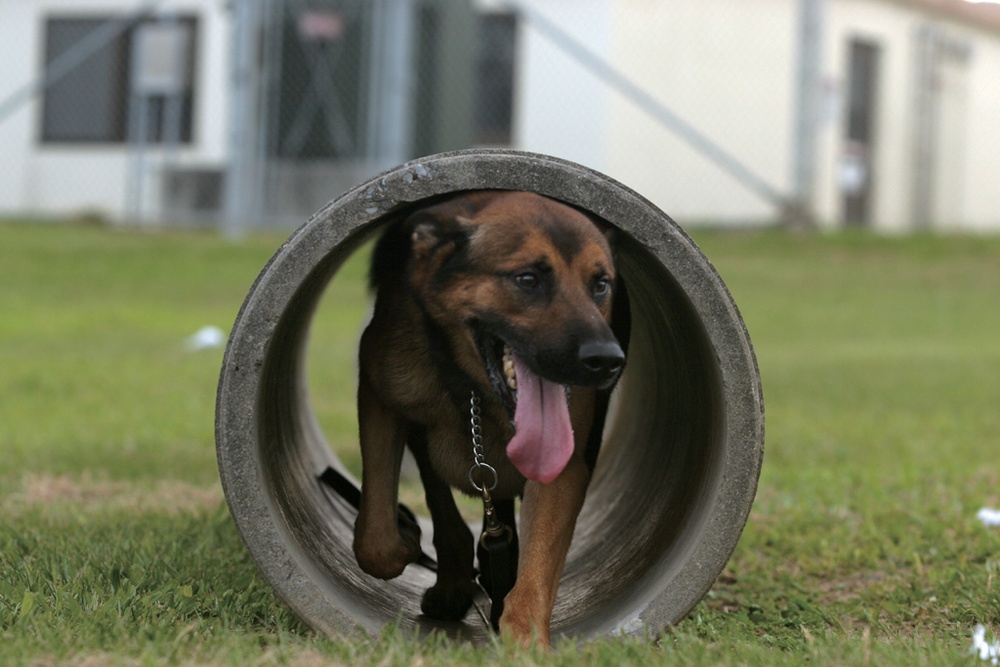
513 297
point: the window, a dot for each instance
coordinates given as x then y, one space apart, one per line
137 85
863 91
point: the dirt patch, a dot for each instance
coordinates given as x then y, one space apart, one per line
303 658
850 586
102 660
87 494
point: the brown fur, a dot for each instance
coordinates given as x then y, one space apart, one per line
448 277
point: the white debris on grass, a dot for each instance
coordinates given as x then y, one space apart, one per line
989 517
205 338
989 651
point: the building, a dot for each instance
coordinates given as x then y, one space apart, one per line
83 140
905 104
877 113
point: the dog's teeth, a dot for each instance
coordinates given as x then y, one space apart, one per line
508 368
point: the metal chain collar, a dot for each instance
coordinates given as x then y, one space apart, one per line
481 470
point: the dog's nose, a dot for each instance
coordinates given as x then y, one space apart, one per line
603 360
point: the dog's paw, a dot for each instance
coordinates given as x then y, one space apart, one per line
387 556
520 625
448 601
522 632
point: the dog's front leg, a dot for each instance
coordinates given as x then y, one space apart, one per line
548 517
451 596
385 541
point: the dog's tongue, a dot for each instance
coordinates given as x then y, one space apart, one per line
543 441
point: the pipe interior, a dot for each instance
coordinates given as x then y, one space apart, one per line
649 498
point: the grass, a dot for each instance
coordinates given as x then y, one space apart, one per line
881 367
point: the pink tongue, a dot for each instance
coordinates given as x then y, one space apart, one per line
543 441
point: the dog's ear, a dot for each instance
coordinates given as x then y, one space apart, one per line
610 233
439 237
433 233
420 241
607 230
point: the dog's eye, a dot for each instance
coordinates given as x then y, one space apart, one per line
602 286
527 280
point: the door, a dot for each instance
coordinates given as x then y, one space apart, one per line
857 178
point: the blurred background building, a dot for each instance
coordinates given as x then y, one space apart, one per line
243 114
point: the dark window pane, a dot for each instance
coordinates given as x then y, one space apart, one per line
88 104
94 101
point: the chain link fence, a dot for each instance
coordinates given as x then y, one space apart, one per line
256 113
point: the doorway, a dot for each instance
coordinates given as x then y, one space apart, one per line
857 176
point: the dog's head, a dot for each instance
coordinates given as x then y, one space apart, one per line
522 286
519 270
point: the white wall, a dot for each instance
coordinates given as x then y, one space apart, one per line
982 168
22 52
891 27
968 152
726 67
559 108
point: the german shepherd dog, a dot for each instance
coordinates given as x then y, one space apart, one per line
507 295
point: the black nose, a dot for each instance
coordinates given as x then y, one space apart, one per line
603 360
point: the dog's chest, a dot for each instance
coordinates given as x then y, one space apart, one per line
451 454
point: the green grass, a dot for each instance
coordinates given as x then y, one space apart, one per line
881 367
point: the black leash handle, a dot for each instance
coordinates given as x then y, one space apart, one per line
497 542
498 545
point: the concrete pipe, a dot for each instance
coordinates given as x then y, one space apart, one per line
682 450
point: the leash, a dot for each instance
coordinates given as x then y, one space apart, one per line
497 538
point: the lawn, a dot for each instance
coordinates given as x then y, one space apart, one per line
880 361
